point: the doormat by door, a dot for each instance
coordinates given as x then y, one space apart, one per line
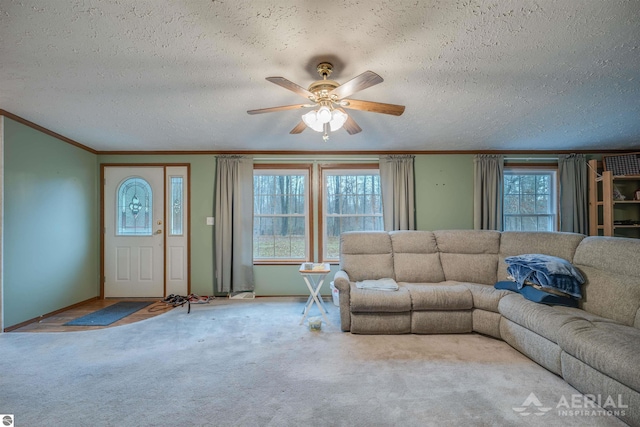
110 314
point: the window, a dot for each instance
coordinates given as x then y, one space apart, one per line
133 205
351 200
281 220
176 211
530 200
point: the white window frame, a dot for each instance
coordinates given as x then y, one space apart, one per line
553 196
279 170
341 170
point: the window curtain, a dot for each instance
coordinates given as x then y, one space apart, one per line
572 171
487 191
233 229
398 199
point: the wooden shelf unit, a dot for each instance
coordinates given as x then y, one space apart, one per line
605 211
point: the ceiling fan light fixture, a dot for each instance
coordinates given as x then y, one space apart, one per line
324 114
337 120
311 120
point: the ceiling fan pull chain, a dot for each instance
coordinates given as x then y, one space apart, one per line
325 127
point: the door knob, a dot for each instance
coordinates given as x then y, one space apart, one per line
158 231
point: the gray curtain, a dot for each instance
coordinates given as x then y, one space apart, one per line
233 229
572 171
397 185
487 191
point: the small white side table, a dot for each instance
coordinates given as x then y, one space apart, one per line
314 280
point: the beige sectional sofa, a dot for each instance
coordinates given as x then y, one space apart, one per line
446 280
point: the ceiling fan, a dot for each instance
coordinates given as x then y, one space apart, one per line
331 98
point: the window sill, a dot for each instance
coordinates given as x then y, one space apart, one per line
296 262
279 262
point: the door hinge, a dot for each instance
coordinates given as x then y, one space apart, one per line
104 279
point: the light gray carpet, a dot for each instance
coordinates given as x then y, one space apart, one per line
249 363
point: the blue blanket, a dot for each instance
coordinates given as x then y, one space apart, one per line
547 271
536 295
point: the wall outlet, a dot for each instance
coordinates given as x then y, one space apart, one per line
211 220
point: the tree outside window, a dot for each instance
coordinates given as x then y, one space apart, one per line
530 200
281 215
351 201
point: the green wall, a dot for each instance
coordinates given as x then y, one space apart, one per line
444 191
51 221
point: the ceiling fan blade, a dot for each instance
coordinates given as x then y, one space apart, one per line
288 84
282 108
358 83
299 128
374 107
350 125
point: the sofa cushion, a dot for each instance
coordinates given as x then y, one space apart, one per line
611 348
371 301
613 254
475 268
469 255
468 241
441 322
610 266
591 381
534 346
439 296
537 295
366 255
486 322
542 319
486 297
561 245
381 323
416 257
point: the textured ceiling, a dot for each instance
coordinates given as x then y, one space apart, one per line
180 75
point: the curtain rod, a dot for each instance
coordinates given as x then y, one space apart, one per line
368 159
536 159
314 159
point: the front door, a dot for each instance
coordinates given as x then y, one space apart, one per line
134 205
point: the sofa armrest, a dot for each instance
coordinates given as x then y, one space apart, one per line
341 281
343 284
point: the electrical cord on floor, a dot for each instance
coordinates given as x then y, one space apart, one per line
179 300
